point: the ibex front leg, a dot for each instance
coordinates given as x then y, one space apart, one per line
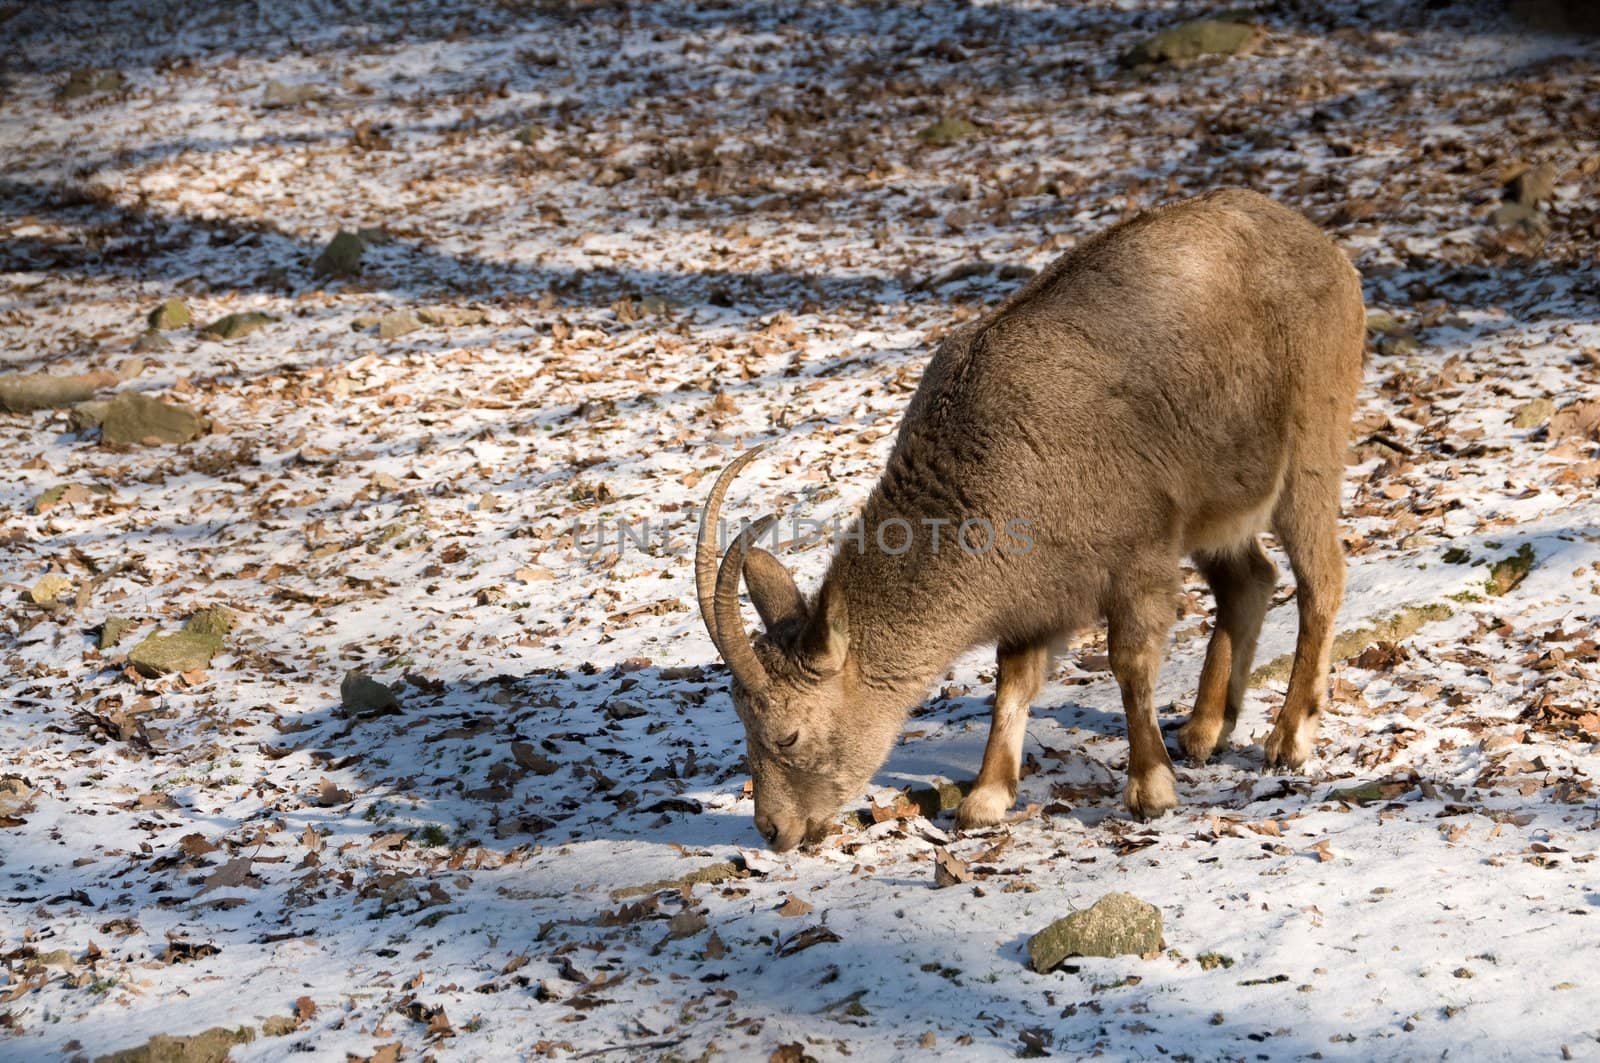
1138 619
994 792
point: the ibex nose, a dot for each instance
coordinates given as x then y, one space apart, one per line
768 829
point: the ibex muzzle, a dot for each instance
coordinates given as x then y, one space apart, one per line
1172 387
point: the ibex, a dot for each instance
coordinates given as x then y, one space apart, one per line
1173 386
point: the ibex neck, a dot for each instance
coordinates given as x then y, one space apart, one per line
904 626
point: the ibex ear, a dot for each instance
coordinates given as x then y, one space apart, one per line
772 589
827 636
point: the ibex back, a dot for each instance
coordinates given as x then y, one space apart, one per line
1174 386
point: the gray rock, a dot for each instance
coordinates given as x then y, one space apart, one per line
283 94
87 415
947 131
398 323
174 313
209 1046
1532 414
216 621
1118 924
133 417
15 794
1533 186
1522 216
451 315
112 629
232 326
88 82
342 256
184 651
1191 40
151 342
361 695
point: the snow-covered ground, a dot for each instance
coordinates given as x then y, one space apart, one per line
688 228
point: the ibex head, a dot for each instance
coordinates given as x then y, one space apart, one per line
812 739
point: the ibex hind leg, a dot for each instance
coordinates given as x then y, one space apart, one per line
1307 523
1242 582
1020 672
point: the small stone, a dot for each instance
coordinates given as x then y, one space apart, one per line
112 629
341 258
278 1026
50 498
49 588
283 94
623 710
233 326
174 313
1383 323
361 695
1522 216
209 1046
160 655
15 794
1508 573
1533 186
947 131
134 417
1532 414
215 621
88 82
60 959
398 323
1118 924
87 415
151 342
448 316
1191 40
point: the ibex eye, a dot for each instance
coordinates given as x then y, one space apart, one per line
791 740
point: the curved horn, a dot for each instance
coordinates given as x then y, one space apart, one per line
705 546
735 645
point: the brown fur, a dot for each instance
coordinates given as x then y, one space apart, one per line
1172 387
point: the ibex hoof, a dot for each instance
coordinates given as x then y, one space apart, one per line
984 807
1199 739
1152 794
1288 750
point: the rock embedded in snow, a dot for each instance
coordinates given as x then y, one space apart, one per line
342 256
1532 414
160 655
208 1046
397 323
1534 185
1192 40
947 131
133 417
151 342
1118 924
112 629
81 83
174 313
15 794
216 621
448 316
48 588
1522 216
188 650
283 94
233 326
361 695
